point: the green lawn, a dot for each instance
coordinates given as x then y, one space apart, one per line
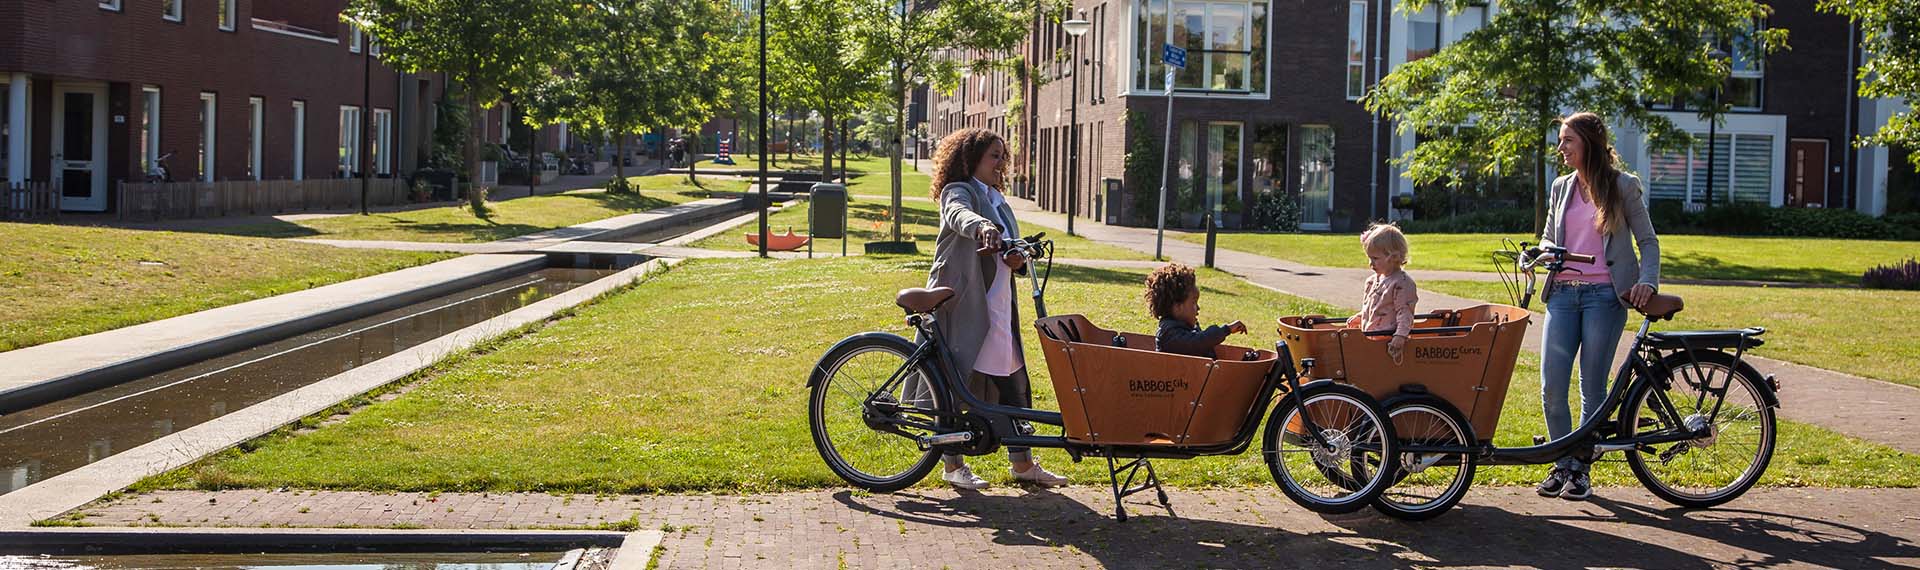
510 218
1681 256
1864 332
717 402
64 281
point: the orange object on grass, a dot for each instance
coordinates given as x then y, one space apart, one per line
779 242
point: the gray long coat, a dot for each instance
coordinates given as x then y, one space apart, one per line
1623 267
963 320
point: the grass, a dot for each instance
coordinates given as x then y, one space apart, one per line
1855 331
63 281
717 400
510 218
1808 260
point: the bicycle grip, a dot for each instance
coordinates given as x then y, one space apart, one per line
1577 257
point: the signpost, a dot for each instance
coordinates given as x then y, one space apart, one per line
1175 58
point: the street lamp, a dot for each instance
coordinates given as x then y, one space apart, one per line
360 24
1713 128
1075 27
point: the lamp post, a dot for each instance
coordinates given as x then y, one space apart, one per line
762 205
1076 27
1713 129
366 104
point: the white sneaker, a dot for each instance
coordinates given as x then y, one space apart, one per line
1039 476
963 478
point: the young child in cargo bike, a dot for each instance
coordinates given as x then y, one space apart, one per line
1173 294
1390 294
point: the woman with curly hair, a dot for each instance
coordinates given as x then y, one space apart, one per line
970 256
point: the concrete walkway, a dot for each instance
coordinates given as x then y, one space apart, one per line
1251 527
1873 410
605 229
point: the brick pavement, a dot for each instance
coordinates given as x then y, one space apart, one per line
1253 527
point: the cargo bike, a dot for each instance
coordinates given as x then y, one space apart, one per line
1119 401
1694 421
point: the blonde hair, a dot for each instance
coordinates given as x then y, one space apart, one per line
1387 239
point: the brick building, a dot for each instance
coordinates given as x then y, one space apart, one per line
94 91
1269 102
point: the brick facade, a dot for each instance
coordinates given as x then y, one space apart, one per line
135 47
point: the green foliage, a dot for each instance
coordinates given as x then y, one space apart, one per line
1762 220
449 133
1276 211
1143 167
1534 58
1491 221
1891 68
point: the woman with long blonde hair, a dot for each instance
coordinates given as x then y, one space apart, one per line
1595 210
981 324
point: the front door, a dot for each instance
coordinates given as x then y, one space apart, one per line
80 146
1807 173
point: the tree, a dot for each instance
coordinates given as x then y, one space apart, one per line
1891 39
913 38
635 64
488 47
1511 78
815 54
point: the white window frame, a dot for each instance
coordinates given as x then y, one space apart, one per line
173 10
1735 126
1357 8
349 149
1136 9
256 132
227 15
209 131
299 140
353 38
382 147
110 5
150 117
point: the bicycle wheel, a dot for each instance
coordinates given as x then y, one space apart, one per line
1703 472
846 378
1358 446
1427 484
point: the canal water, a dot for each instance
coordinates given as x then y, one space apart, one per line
51 439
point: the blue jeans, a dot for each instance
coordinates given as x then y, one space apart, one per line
1584 318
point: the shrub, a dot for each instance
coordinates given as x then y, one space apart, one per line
1904 275
619 185
1276 211
1761 220
1143 163
1502 220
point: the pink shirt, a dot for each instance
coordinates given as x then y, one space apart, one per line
997 356
1389 304
1582 238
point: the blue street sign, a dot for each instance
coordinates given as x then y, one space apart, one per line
1173 55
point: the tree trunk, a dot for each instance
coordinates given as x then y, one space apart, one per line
827 142
693 159
1540 169
620 160
474 122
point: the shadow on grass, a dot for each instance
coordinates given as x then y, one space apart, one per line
1158 537
1701 266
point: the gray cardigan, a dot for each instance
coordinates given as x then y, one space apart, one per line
1625 269
963 320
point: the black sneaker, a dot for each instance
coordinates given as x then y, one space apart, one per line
1579 487
1555 483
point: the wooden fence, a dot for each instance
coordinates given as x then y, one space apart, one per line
30 201
186 200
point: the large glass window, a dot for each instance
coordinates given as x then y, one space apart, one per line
1316 176
226 15
208 114
1223 166
1742 167
6 129
1225 43
149 128
382 141
349 141
299 140
170 9
1356 49
1423 33
256 111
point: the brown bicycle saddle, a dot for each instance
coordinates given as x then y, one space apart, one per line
1661 306
917 300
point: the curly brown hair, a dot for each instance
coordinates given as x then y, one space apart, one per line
1167 286
959 153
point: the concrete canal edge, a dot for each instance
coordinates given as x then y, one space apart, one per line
75 488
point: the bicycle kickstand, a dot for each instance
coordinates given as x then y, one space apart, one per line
1121 490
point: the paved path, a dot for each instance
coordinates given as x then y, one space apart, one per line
1254 527
1882 412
